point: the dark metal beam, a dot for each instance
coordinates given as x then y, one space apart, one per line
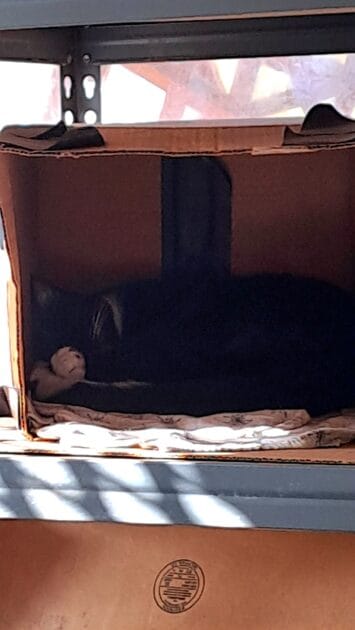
260 37
215 39
47 13
44 46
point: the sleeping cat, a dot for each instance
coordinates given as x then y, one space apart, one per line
204 344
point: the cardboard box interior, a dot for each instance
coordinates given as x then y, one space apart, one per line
86 222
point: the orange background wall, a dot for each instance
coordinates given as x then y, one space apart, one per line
57 576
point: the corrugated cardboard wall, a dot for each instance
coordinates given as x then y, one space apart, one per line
293 213
60 576
19 202
86 223
100 218
94 576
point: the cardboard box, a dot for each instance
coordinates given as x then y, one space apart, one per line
82 218
94 576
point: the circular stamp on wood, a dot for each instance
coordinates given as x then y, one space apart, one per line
179 586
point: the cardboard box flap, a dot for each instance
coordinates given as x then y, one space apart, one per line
144 140
193 141
56 138
323 125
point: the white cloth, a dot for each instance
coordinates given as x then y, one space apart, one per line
225 432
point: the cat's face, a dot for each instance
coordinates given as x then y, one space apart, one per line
59 318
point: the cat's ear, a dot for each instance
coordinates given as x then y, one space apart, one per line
44 294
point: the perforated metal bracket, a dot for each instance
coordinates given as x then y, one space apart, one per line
80 78
80 89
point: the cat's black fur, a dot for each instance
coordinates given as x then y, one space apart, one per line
205 344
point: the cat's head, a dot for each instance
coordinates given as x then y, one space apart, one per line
46 296
58 318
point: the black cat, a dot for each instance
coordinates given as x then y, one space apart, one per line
205 344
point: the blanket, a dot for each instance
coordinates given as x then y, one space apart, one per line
219 433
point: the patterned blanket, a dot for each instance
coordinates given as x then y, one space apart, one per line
225 432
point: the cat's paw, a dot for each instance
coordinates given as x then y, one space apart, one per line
69 364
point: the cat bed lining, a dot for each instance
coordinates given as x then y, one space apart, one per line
218 433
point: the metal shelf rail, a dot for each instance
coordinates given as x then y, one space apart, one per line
47 13
81 50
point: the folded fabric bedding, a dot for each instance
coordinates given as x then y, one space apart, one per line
218 433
